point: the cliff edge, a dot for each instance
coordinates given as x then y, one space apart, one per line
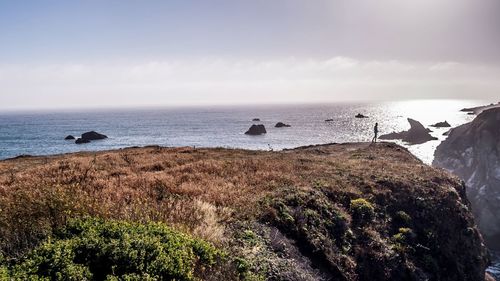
472 152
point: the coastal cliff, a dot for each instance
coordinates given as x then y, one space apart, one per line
328 212
472 152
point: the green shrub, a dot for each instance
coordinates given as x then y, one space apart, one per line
249 237
362 210
243 267
401 218
405 230
403 240
94 249
4 273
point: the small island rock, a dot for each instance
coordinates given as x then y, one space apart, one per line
281 125
256 130
81 140
256 119
69 137
92 135
359 115
441 124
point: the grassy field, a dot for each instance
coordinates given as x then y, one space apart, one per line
330 212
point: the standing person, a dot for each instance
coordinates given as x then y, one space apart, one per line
375 132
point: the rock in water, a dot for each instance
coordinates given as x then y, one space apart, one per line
256 130
281 125
256 120
81 140
70 137
92 135
417 134
472 152
359 115
441 124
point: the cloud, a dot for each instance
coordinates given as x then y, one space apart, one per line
224 81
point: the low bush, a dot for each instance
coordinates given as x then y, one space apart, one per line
362 210
403 236
402 219
95 249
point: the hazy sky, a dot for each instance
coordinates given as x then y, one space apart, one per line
112 53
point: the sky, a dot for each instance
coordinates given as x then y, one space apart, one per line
69 54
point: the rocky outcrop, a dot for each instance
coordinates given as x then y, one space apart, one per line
256 119
81 140
281 125
472 152
256 130
441 124
417 134
69 137
92 135
359 115
479 109
88 137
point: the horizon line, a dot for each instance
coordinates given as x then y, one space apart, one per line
224 105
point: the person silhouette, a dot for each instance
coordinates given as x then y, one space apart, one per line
375 132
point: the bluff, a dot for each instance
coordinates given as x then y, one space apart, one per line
472 152
330 212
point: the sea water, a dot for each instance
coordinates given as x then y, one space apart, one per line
43 132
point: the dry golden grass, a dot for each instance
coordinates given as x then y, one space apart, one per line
194 189
203 191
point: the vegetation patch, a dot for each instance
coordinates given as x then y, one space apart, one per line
320 229
95 249
328 212
402 219
362 210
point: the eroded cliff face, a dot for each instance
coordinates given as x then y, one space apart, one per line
472 152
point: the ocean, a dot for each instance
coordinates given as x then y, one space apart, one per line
43 132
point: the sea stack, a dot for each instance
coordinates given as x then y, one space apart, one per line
281 125
92 135
417 134
256 130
